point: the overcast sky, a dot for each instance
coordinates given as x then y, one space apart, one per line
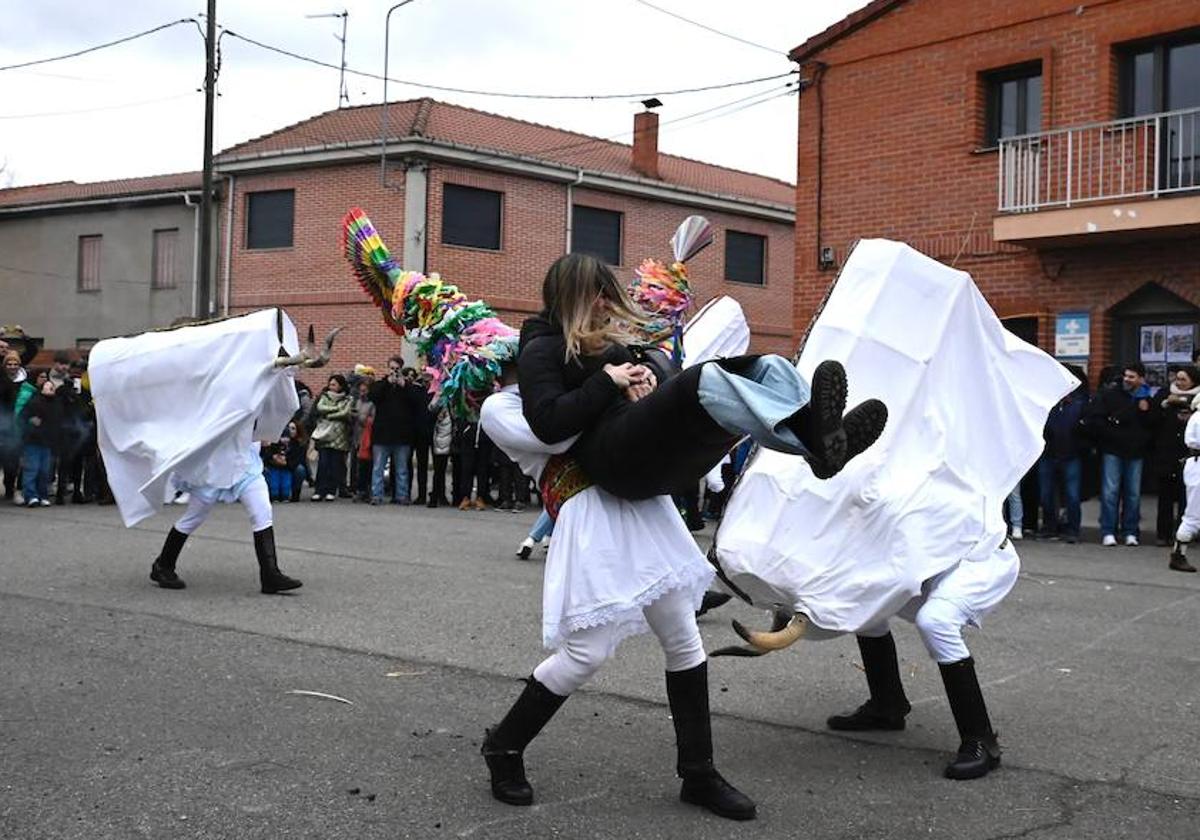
135 109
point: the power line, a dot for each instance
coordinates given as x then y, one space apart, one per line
106 45
96 109
710 29
504 94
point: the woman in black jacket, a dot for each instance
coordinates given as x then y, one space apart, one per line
645 432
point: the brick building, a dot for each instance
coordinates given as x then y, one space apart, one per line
489 202
1049 148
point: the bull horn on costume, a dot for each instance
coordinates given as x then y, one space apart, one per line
308 357
781 635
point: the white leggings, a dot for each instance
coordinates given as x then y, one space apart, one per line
673 620
256 499
1189 525
940 623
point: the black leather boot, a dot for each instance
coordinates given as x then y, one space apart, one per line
273 580
687 692
979 752
818 425
162 571
711 600
504 745
888 705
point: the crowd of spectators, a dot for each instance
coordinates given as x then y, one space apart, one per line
374 439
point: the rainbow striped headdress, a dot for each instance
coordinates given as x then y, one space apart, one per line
462 341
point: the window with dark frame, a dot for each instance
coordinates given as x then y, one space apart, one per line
471 217
1014 103
88 272
596 232
270 217
745 258
1162 77
164 272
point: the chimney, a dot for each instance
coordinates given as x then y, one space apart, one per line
645 140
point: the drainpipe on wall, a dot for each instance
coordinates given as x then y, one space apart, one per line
570 216
187 199
228 246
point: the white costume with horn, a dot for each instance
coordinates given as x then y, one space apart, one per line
183 407
917 517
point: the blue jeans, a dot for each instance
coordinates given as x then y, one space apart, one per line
757 402
279 483
1016 507
1049 470
543 527
380 454
1123 476
35 481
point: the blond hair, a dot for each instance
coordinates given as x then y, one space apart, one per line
570 293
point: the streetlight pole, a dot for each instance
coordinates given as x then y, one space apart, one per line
383 119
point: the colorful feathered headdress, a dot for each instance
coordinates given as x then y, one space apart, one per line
663 290
463 342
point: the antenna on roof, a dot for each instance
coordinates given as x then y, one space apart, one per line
343 93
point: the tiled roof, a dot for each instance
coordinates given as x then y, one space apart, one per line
439 121
70 191
848 24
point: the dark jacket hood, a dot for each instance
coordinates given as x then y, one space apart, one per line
539 326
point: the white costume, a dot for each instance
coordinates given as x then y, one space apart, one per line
912 526
615 568
1189 525
180 407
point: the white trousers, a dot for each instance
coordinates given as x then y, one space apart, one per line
1189 525
672 618
256 499
957 597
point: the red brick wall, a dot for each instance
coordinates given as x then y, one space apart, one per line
313 282
903 103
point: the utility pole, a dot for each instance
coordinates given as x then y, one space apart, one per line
204 281
343 93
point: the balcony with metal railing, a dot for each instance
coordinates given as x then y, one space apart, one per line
1132 177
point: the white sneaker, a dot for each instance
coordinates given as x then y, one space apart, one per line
525 549
32 503
46 503
1131 540
1017 533
546 543
1109 539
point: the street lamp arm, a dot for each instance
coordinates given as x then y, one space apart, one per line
387 21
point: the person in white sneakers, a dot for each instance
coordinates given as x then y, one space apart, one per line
1189 525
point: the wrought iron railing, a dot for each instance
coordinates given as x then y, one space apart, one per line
1150 156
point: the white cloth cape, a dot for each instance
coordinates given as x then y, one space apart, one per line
181 405
967 403
610 557
718 330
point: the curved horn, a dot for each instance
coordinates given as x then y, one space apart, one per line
326 351
778 638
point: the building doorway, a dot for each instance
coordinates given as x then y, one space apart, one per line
1157 328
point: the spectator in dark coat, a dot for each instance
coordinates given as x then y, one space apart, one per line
1170 450
392 433
1119 420
423 423
1061 466
42 420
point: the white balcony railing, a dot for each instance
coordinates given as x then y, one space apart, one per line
1139 157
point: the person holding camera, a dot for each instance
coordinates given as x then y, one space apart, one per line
392 434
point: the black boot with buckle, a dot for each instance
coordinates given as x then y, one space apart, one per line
979 752
687 692
504 745
887 706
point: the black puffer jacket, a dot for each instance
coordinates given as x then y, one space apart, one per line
633 450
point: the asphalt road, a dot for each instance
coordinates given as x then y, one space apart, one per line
128 711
